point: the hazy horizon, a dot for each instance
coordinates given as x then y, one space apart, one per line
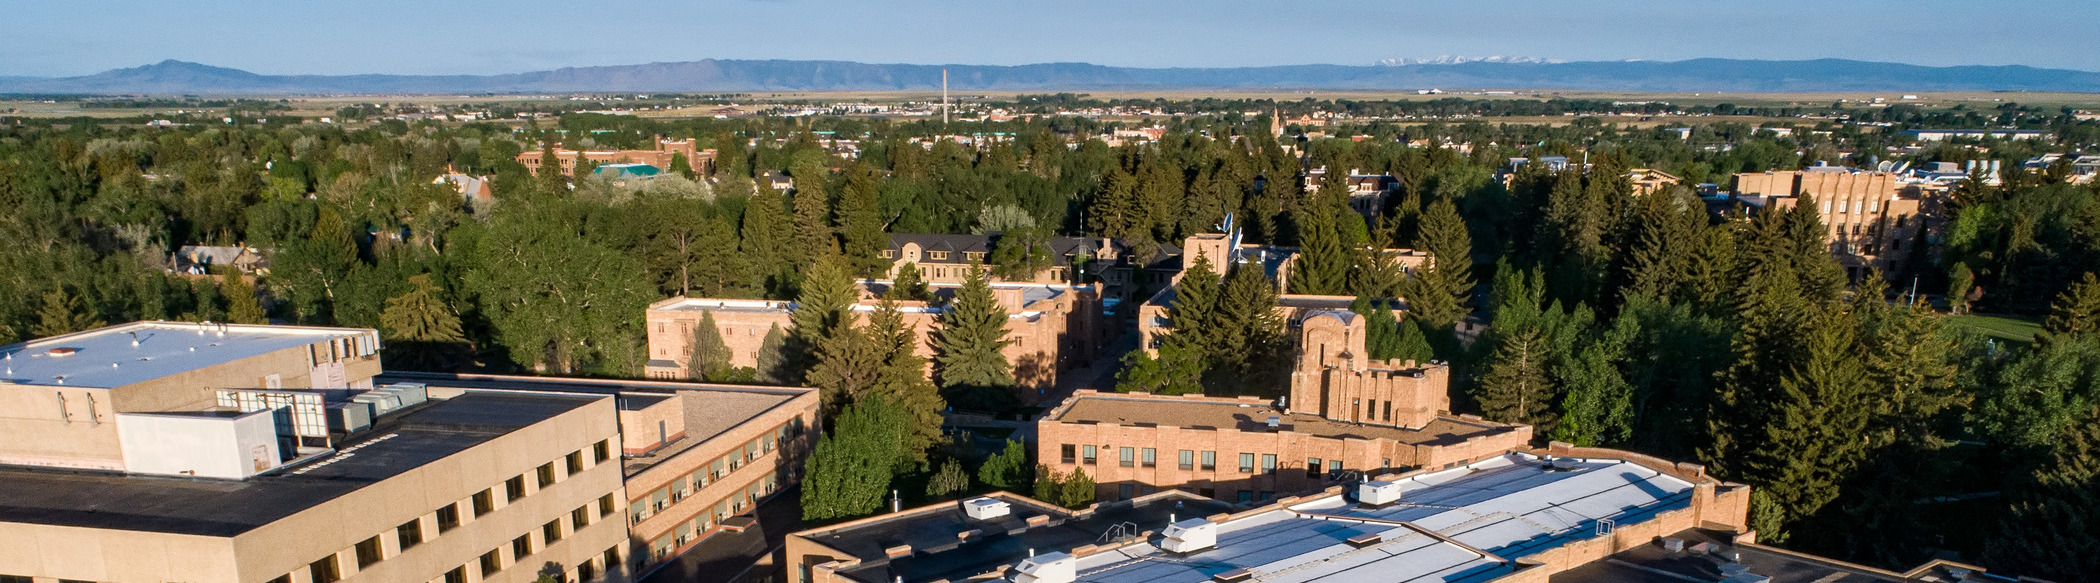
453 37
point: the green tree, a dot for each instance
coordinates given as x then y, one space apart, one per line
1322 266
907 287
1437 291
1959 283
1177 370
949 480
1006 470
1049 484
63 313
1248 352
1411 343
558 301
242 307
901 378
766 243
423 332
772 365
708 357
822 313
2077 311
968 346
1515 388
814 235
861 222
850 470
1814 434
1597 408
2053 529
1077 490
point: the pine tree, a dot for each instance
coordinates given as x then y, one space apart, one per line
1248 351
1438 289
1598 406
1323 261
861 224
772 366
1381 331
1049 484
63 313
814 236
849 471
1077 490
1412 344
823 311
1006 470
708 358
2077 311
901 378
765 242
242 307
1378 274
907 287
422 331
1192 316
1959 281
1178 370
969 345
949 480
1515 388
550 178
1665 235
1814 433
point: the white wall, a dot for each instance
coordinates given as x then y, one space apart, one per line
215 447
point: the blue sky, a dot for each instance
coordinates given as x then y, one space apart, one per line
75 37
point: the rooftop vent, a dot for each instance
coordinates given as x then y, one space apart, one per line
986 508
62 352
1275 422
1673 544
1190 535
1563 464
1047 568
1233 576
1365 540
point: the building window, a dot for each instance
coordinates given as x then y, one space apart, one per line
1334 467
1087 454
586 571
1246 496
484 503
324 570
1372 409
1123 491
575 461
551 531
409 534
605 506
1312 468
491 562
1246 463
1150 457
546 475
612 557
520 548
514 488
1186 459
1210 461
1067 453
1389 411
368 552
1268 463
601 451
448 517
456 575
936 254
1124 456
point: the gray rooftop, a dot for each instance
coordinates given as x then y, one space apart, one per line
164 349
211 507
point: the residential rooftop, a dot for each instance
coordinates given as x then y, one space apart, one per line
1253 415
222 508
125 354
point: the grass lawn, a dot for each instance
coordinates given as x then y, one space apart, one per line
2014 328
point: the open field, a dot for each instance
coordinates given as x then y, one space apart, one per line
2013 328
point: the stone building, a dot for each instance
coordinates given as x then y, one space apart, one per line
701 162
1053 328
1223 250
1871 225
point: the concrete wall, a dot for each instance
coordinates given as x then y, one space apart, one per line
87 554
683 470
212 447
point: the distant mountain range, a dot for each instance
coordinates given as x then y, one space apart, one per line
711 75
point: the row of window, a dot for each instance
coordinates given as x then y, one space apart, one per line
408 535
1188 459
733 505
642 507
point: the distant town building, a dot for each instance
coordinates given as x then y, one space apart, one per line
470 187
701 162
200 259
1224 250
1648 180
1928 135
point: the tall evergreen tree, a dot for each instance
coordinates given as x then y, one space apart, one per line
907 287
708 356
823 313
765 242
423 332
1323 261
2053 529
772 366
1247 353
969 344
901 379
1377 274
1439 288
1814 433
1598 406
861 223
63 313
2077 311
242 305
1515 388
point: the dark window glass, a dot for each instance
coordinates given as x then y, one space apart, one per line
484 503
520 548
368 552
514 488
575 461
324 570
409 533
546 475
601 451
491 562
448 517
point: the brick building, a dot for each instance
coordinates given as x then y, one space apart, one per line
1053 328
947 259
1871 225
1225 249
701 162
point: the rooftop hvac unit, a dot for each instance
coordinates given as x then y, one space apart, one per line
411 394
383 402
1563 464
1190 535
1047 568
986 508
349 417
1378 493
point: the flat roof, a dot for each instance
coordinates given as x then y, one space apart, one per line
1651 563
1513 505
164 349
216 507
1253 416
1467 524
938 553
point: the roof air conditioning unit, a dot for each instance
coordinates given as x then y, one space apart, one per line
1190 535
1377 493
986 508
1047 568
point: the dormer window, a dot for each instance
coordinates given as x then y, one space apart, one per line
936 254
973 255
